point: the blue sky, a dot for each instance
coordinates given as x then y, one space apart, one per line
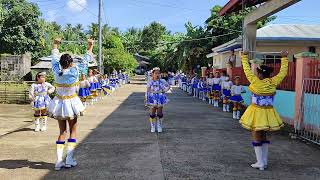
172 13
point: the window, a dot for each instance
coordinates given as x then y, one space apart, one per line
312 49
11 67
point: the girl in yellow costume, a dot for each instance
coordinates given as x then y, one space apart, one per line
260 117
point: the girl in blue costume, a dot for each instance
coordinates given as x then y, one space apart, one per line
84 91
210 88
93 88
236 98
216 89
40 100
105 85
202 88
194 83
226 85
66 106
156 99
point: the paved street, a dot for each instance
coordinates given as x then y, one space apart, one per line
199 142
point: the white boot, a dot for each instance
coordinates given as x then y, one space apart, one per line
44 123
265 149
259 164
59 163
37 124
70 162
216 103
224 108
153 125
234 115
159 125
209 101
228 107
238 114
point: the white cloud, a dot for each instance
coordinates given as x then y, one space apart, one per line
76 5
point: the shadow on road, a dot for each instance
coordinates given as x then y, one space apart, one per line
15 164
120 147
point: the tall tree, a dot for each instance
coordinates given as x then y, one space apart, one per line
19 26
151 35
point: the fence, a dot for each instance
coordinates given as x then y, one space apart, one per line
309 127
14 92
314 67
287 84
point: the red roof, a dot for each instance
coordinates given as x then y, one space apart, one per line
236 5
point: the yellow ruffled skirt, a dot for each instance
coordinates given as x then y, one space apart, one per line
257 118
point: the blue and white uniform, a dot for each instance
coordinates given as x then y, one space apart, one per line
156 93
39 95
226 88
236 92
66 105
84 90
216 84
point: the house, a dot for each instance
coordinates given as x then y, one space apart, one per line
44 64
271 40
14 67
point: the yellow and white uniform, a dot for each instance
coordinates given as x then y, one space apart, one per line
260 115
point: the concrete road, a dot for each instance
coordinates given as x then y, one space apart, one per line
199 142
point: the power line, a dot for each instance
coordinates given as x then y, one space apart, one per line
85 8
189 40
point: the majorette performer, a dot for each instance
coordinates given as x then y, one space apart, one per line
66 105
40 100
236 98
156 99
226 93
261 117
216 89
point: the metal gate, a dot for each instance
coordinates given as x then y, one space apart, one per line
308 126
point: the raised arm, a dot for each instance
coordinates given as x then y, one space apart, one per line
55 56
88 57
246 68
283 70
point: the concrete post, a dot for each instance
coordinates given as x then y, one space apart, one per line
249 39
302 72
203 71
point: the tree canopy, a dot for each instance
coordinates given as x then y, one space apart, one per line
22 30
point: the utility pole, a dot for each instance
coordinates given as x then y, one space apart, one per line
100 37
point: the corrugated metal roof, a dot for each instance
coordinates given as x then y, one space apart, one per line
289 32
278 32
42 65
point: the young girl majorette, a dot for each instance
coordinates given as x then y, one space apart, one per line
236 98
97 84
226 93
66 105
156 99
194 82
260 117
210 88
216 89
202 86
40 100
105 85
189 85
93 88
84 91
